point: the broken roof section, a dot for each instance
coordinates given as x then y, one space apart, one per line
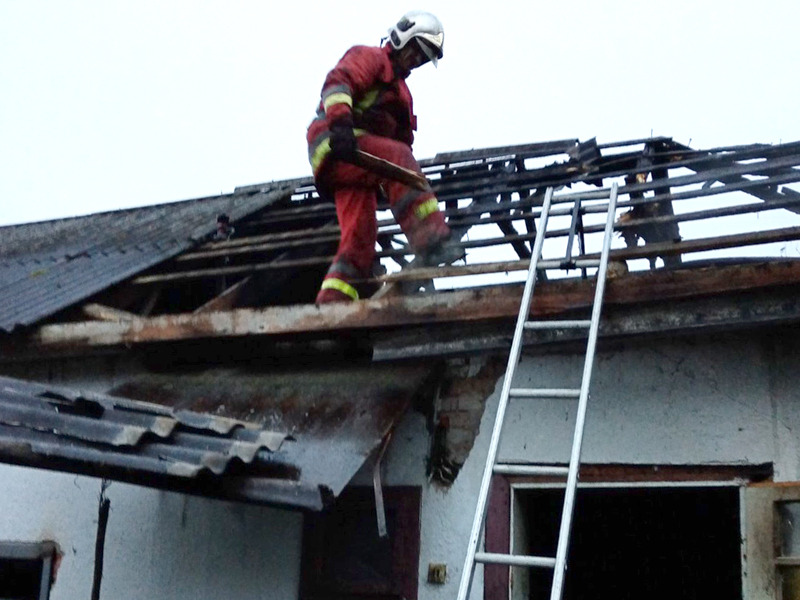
492 198
267 438
676 199
181 286
48 266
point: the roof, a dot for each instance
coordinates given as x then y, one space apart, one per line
681 202
47 266
267 439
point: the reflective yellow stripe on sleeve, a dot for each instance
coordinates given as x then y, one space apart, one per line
368 100
322 147
319 152
332 283
426 208
338 98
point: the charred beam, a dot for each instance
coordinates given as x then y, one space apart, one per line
650 250
647 251
729 312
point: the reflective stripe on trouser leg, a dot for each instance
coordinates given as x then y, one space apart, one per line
419 217
423 209
334 283
340 271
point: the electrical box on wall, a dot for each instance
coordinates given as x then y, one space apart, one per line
437 573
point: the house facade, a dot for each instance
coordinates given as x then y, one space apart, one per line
160 438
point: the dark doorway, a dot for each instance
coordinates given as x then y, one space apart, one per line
343 557
676 542
26 570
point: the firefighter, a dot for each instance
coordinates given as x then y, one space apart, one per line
365 104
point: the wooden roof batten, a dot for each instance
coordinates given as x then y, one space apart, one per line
776 169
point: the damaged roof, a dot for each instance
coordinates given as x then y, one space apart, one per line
681 202
267 438
47 266
159 261
152 283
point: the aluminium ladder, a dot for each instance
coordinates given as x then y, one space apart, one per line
559 563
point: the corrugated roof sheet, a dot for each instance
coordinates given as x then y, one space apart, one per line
48 266
337 416
268 438
56 427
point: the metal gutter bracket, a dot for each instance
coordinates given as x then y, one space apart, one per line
380 509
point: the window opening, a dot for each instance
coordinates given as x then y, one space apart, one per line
681 542
26 570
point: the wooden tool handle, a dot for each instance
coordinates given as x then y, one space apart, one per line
390 170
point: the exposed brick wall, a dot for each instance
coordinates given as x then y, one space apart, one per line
467 383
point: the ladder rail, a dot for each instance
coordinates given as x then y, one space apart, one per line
558 564
574 462
576 213
516 347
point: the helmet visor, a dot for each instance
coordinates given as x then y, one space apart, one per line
432 54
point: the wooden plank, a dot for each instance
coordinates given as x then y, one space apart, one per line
390 170
646 251
227 299
789 199
674 316
472 305
107 313
649 250
269 237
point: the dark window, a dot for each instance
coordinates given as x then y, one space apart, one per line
343 557
26 570
640 543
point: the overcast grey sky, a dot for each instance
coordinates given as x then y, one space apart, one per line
110 104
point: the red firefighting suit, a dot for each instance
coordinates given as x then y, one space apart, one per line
365 85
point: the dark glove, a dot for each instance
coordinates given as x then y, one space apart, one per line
343 140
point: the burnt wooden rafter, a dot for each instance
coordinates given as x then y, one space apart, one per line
779 172
783 198
646 251
494 187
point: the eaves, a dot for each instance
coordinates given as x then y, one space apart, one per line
655 291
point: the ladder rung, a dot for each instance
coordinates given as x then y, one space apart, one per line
587 264
583 263
543 393
558 324
508 469
515 560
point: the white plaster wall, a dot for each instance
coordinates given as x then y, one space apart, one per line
688 401
784 360
158 544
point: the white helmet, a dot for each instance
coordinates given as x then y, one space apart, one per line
425 27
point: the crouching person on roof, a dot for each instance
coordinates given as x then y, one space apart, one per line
366 105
